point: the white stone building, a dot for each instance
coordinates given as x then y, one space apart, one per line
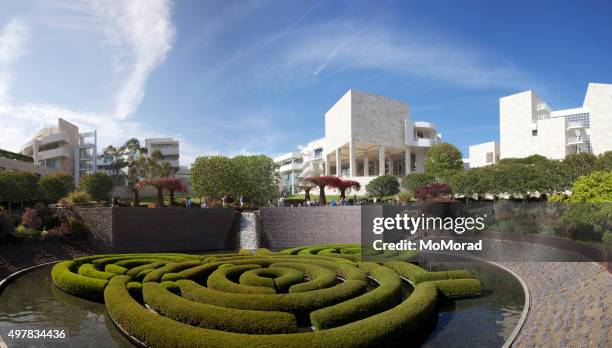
483 154
64 149
366 135
169 149
528 126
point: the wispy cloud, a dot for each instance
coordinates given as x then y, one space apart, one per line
305 54
139 34
13 38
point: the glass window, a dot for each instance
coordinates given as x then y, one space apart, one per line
318 153
534 132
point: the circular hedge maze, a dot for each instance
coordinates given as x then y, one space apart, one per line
320 296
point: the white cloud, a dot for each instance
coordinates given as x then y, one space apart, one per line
139 36
13 38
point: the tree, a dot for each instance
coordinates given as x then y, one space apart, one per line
579 164
211 176
253 177
414 180
18 187
433 191
98 185
159 184
443 160
56 186
172 185
307 186
322 182
383 186
135 189
604 161
595 187
347 185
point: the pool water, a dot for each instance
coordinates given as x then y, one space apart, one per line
32 301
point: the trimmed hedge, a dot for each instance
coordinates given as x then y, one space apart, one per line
381 298
64 276
218 280
456 288
215 317
159 331
418 275
297 303
240 306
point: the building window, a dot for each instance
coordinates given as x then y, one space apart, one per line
489 157
534 132
318 153
578 120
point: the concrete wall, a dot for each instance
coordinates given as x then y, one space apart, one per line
515 124
338 124
160 229
599 100
290 227
478 154
20 166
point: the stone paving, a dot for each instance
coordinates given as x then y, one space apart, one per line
571 304
23 255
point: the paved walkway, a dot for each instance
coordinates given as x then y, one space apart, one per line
23 255
571 304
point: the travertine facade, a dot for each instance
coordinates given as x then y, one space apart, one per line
366 136
528 126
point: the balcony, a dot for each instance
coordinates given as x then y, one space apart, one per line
424 142
575 125
575 140
290 167
54 153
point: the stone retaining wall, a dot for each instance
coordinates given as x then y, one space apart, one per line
289 227
160 229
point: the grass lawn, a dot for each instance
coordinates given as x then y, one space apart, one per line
178 198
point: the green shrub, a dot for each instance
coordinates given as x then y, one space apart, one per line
296 303
375 301
159 331
319 277
64 276
76 198
115 269
455 288
98 185
245 252
215 317
88 270
156 274
218 280
55 186
263 252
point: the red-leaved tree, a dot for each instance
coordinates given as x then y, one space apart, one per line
347 185
174 185
432 191
322 182
135 189
159 185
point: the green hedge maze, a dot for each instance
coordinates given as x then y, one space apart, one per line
318 296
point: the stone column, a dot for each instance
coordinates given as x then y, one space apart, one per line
381 160
408 164
366 166
326 164
292 182
352 164
338 163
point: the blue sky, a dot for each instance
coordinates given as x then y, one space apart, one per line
231 77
